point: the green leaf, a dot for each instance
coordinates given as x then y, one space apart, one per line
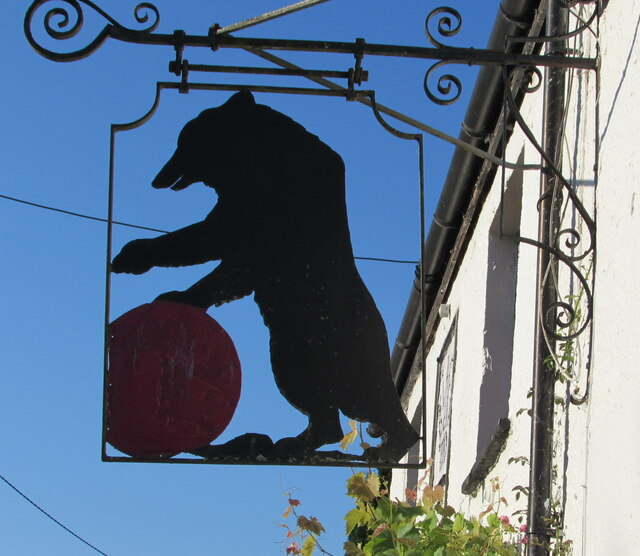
407 531
385 509
458 523
359 487
410 512
380 543
350 549
308 546
355 518
374 483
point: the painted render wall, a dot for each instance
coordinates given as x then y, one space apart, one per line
595 452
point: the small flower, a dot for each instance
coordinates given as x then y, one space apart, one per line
523 528
524 540
505 520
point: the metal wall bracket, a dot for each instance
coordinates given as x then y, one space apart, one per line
62 23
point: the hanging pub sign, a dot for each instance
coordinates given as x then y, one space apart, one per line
278 231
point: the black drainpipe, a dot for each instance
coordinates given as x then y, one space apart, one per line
540 479
514 18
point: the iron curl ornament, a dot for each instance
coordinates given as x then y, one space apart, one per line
448 86
65 18
567 246
532 79
448 25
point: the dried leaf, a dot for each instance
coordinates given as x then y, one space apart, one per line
312 525
432 495
293 502
411 494
485 512
379 529
286 513
293 548
350 437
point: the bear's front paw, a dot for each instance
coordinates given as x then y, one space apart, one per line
133 259
186 298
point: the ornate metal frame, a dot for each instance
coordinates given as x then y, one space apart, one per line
329 458
66 21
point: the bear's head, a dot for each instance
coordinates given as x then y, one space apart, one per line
237 141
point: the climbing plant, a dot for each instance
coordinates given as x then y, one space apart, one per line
421 525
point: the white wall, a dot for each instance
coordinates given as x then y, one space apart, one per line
595 452
613 414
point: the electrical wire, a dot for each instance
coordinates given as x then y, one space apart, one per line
86 216
51 517
79 215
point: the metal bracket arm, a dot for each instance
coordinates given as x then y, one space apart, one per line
215 40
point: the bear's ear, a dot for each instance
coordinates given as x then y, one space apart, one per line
241 98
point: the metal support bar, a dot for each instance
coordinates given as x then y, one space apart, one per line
216 39
175 68
543 397
271 15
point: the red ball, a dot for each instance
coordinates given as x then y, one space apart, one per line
174 380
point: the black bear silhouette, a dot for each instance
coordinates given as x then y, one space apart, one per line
279 230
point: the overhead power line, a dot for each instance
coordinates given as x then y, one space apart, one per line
86 216
46 207
51 517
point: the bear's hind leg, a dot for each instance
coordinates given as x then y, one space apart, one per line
398 437
324 428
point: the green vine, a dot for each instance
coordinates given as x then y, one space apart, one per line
422 525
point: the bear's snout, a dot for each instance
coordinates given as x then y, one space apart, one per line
173 175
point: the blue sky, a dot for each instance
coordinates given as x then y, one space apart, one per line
55 145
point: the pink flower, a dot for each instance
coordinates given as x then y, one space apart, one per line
524 540
523 528
505 520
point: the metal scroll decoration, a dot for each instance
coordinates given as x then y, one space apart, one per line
448 86
568 246
63 23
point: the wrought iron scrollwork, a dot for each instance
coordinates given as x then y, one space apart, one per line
585 24
571 3
449 24
567 322
448 86
567 246
65 22
532 79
